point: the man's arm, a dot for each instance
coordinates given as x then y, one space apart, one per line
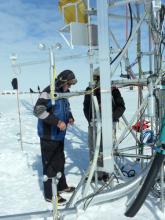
43 108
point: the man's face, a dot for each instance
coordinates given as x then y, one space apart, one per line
66 87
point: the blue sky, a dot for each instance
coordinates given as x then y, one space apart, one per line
25 24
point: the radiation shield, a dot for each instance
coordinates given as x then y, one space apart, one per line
76 34
73 11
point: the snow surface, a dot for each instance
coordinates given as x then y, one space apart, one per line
21 188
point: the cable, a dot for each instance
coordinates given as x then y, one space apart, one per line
99 190
131 28
129 173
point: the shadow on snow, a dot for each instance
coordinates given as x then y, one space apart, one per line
76 153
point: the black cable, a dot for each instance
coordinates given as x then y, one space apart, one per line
131 28
98 191
147 185
129 173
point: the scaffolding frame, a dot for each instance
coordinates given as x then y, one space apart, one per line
155 82
108 70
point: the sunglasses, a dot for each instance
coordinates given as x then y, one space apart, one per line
69 84
72 82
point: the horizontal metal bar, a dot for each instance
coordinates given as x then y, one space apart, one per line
121 17
116 16
70 94
31 63
115 3
147 53
129 82
133 155
20 93
126 149
28 215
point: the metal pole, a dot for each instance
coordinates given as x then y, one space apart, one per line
105 84
90 54
52 77
13 59
98 139
150 50
19 118
54 198
140 93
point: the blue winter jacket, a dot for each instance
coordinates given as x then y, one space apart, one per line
49 116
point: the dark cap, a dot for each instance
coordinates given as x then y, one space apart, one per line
66 76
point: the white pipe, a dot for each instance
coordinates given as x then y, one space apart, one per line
98 139
116 192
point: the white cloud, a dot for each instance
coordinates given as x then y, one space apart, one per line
26 20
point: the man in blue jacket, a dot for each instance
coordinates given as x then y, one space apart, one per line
52 124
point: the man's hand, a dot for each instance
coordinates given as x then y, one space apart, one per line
61 125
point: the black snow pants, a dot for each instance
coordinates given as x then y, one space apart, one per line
53 160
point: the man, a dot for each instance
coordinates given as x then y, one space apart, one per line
52 124
118 108
118 105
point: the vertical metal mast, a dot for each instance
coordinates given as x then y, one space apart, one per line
105 84
139 61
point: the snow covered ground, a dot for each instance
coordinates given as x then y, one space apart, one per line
21 187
